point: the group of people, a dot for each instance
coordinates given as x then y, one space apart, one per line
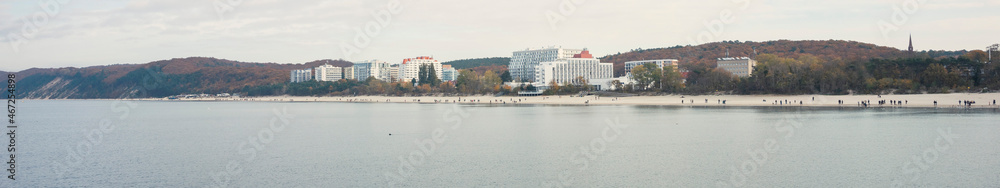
892 102
969 103
512 100
867 103
457 101
966 102
497 101
720 101
785 102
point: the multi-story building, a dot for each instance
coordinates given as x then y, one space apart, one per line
349 73
523 63
372 68
659 64
568 69
328 72
394 72
301 75
449 73
739 66
410 68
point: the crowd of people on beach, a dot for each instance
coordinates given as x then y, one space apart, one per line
785 102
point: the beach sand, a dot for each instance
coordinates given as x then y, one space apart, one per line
983 100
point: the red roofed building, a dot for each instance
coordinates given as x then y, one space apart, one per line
410 68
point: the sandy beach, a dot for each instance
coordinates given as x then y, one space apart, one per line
954 100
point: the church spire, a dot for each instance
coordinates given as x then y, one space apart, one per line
911 43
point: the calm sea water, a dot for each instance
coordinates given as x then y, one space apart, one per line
209 144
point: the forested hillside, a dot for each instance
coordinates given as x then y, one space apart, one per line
705 55
155 79
478 62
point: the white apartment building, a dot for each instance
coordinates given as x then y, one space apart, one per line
523 63
301 75
739 66
567 69
410 68
448 73
328 72
349 72
393 73
372 68
659 64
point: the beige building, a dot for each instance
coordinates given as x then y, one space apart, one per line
659 64
739 66
394 73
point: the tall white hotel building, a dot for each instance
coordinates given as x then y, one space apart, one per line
410 68
523 63
568 69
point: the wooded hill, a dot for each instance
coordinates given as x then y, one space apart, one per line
482 65
705 55
155 79
478 62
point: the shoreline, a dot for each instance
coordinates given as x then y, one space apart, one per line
953 100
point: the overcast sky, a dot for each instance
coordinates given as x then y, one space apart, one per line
82 33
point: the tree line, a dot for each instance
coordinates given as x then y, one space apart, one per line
467 82
807 74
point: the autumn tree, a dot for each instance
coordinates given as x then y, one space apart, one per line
646 76
491 81
977 55
671 81
936 75
467 81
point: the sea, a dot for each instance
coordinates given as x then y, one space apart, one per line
113 143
